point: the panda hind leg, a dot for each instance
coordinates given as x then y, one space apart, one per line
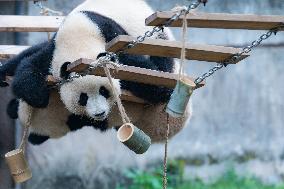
36 139
12 109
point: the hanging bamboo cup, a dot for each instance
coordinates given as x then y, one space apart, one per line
180 97
134 138
18 166
184 87
16 160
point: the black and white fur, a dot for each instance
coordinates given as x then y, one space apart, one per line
84 34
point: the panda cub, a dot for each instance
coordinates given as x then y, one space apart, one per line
89 100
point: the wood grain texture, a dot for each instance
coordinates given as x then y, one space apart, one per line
131 73
219 20
11 23
164 48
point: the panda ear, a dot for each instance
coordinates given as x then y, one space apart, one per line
63 71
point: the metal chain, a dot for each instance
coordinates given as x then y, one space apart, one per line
46 10
236 57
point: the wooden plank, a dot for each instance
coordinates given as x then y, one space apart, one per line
8 51
158 47
219 20
10 23
131 73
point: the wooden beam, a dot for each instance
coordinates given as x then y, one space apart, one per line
12 23
158 47
219 20
130 73
8 51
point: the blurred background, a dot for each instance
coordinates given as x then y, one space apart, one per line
234 140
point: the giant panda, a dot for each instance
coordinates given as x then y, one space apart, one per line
84 34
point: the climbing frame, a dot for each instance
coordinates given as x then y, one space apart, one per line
153 47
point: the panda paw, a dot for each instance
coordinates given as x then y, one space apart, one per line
12 108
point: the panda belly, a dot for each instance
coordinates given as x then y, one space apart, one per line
48 122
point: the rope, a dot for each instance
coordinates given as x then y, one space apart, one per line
104 62
183 50
165 179
26 130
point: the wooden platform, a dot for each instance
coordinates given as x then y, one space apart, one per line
158 47
30 23
219 20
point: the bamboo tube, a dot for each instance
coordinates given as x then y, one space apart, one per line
134 138
180 97
18 166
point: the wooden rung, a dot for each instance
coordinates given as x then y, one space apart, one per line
30 23
126 95
218 20
131 73
7 51
164 48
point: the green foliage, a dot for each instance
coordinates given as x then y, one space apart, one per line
152 179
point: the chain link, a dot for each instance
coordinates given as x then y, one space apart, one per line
46 10
236 57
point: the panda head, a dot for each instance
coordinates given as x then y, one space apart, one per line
89 96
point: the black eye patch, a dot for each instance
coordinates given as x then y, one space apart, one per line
83 99
104 92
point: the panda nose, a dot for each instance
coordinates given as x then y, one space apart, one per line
100 114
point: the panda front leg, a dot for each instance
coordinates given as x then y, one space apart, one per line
29 82
9 67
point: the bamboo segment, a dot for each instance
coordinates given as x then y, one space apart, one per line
18 166
180 97
134 138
